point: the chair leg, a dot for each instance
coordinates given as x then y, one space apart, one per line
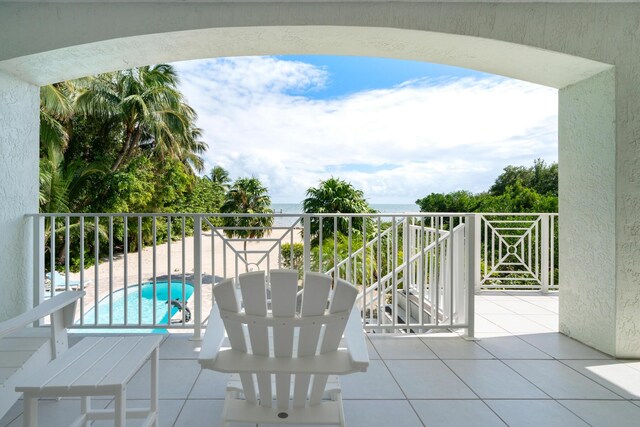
30 416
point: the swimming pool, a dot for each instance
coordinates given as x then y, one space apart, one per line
140 305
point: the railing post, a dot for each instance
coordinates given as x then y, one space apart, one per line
38 259
197 279
544 253
472 269
477 245
306 241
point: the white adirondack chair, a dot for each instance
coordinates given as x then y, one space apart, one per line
25 350
292 357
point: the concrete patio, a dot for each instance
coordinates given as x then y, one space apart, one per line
521 372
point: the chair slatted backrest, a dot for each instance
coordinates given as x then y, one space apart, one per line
274 336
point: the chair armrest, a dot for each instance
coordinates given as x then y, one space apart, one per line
213 337
356 344
64 302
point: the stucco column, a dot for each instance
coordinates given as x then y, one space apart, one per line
599 158
627 250
19 124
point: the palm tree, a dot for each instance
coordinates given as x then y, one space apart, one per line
61 184
61 187
247 196
56 109
335 195
219 176
146 103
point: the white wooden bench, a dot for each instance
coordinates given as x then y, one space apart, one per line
97 367
25 350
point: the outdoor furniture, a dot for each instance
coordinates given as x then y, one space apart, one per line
61 283
282 354
25 350
96 367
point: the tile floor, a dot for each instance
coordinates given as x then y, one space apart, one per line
520 372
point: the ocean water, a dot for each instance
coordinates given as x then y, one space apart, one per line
296 208
381 207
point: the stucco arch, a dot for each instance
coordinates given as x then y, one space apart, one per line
568 47
518 61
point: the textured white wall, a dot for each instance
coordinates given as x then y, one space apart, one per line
19 123
560 45
587 211
627 278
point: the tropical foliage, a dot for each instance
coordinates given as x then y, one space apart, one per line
122 142
249 196
334 195
220 177
517 189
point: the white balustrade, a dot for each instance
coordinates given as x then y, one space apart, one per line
415 272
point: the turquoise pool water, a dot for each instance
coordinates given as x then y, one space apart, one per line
144 295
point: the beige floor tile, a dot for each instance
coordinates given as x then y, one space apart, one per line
169 410
176 380
456 413
603 413
492 379
407 346
510 347
455 348
203 413
559 381
562 347
535 413
179 347
376 383
428 379
516 324
54 413
615 375
368 413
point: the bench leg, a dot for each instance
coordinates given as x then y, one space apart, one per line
155 387
30 416
85 408
120 413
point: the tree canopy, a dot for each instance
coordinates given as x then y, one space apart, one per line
247 196
118 142
335 195
517 189
122 142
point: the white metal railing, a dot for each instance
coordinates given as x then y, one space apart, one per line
517 251
156 271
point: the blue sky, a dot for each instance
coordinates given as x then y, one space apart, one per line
352 74
398 130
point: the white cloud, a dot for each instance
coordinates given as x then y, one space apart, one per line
396 144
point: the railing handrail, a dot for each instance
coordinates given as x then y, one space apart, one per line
279 214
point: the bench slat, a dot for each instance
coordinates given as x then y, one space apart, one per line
92 364
67 358
100 354
128 366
